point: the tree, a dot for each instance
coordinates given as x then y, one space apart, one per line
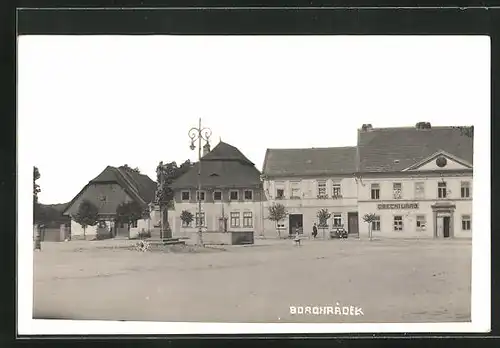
36 208
187 217
369 218
323 216
87 215
277 212
164 197
467 131
126 167
129 212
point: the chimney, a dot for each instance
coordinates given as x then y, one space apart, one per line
423 125
206 149
366 127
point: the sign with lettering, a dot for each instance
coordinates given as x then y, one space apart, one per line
397 206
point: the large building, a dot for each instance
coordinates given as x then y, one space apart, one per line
231 194
307 180
416 180
112 187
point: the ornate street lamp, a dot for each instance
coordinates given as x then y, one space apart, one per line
199 133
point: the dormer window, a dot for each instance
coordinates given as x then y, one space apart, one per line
217 196
185 195
248 195
233 195
200 195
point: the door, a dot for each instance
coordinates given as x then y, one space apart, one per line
294 223
446 226
352 223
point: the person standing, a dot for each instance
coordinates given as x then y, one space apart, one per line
315 231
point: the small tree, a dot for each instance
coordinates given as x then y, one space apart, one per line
129 212
187 217
369 218
87 215
164 196
277 212
323 216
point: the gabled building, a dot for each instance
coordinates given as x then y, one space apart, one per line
231 194
307 180
416 180
112 187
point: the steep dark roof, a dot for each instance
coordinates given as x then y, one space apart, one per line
140 187
313 161
380 147
224 166
226 152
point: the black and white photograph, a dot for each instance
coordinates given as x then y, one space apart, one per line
253 184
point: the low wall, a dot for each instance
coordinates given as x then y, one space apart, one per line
228 238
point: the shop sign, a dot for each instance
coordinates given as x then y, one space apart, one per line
395 206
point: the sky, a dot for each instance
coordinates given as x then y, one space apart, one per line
85 102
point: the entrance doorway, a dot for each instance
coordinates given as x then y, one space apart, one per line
295 223
352 223
446 226
443 219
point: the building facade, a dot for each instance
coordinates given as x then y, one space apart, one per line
231 195
417 181
308 180
112 187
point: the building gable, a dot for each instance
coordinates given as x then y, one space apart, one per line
440 161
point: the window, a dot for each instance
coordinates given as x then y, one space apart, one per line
235 219
337 220
134 224
295 188
375 190
398 223
419 190
336 193
441 189
247 219
248 194
321 188
233 195
217 196
466 222
280 193
376 224
465 189
185 195
421 222
200 195
200 221
397 190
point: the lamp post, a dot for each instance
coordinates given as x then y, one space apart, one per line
199 133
